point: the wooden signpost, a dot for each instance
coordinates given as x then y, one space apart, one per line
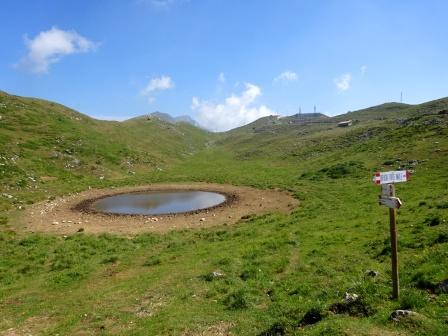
388 199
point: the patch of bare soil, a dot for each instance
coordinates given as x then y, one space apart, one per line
69 214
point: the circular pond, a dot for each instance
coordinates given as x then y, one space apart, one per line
158 202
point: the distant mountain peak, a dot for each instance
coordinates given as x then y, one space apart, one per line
168 118
173 120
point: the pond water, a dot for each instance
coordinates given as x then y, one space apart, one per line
158 202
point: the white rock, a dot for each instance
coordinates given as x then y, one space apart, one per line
399 314
348 297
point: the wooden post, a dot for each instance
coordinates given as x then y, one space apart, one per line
388 199
393 244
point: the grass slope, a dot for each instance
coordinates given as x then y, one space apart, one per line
281 274
46 147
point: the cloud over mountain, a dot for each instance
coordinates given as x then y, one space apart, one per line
157 84
235 111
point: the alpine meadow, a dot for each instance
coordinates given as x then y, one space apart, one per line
223 168
267 274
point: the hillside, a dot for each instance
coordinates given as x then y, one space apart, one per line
280 138
267 123
268 274
42 141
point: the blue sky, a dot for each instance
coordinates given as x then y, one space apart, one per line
223 62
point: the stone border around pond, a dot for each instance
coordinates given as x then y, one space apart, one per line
72 213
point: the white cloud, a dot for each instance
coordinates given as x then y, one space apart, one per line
50 46
235 111
363 70
221 77
286 76
157 84
343 82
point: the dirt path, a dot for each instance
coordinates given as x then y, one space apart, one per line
60 217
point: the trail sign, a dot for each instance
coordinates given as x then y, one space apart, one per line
391 176
390 202
387 198
386 190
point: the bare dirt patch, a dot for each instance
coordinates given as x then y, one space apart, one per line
66 216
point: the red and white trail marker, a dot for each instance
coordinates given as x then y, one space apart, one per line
391 177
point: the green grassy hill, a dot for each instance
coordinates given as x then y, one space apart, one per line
312 136
282 274
44 142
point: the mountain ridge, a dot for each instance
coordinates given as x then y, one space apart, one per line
167 117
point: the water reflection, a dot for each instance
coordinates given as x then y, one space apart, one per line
158 202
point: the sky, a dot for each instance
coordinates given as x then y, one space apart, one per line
223 62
